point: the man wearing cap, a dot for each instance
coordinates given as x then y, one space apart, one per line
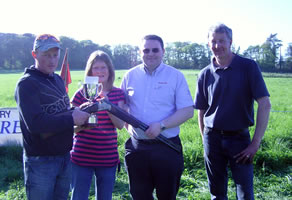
46 123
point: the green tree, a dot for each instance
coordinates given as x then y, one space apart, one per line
187 55
125 56
288 60
253 52
199 55
25 49
15 52
270 53
75 59
181 56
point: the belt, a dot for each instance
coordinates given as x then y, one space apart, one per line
224 132
146 141
149 141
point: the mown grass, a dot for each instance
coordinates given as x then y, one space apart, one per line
272 163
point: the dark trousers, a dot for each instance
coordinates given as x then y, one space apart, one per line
219 154
152 164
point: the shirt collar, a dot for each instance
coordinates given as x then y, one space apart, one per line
215 67
157 69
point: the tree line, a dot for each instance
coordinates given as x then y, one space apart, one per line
15 53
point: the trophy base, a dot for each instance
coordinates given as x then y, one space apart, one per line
90 125
92 120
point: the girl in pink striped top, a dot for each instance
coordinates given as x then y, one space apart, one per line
95 149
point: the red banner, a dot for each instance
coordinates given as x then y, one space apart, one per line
65 72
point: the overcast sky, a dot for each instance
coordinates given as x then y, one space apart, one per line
127 21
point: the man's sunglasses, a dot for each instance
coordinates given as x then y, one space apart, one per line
154 50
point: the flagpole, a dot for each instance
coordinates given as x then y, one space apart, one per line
65 63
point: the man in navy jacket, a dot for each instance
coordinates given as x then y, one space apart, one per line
46 123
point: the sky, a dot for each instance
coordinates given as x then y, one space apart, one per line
127 21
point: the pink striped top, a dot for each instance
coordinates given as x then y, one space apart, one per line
97 146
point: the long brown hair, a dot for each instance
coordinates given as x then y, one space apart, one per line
101 56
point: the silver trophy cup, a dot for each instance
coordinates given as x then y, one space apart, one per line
92 89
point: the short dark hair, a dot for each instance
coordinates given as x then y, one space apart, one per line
220 28
154 37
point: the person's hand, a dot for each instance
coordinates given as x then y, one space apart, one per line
80 117
125 107
246 156
153 131
102 95
84 105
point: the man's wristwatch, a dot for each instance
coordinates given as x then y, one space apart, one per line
162 126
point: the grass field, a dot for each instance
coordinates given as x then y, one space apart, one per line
272 163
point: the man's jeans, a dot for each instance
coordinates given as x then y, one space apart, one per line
47 177
219 152
81 181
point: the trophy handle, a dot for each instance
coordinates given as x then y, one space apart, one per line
99 89
85 92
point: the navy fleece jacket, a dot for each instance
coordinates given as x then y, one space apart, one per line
45 118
